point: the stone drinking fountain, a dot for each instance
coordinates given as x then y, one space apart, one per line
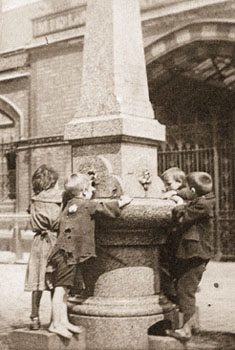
114 137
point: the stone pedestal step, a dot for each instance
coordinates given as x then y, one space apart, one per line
25 339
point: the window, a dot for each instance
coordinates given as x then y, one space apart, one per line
11 169
5 121
7 175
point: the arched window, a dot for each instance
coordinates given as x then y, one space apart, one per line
9 132
5 121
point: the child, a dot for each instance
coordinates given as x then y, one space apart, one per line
175 185
76 244
176 189
194 247
45 211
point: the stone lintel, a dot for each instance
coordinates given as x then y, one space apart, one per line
114 125
9 61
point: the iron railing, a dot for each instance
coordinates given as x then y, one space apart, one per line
220 163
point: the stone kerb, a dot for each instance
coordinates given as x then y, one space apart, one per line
25 339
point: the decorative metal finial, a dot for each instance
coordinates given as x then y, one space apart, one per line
93 177
145 179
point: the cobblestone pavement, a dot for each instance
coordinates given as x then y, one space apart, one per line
216 298
15 304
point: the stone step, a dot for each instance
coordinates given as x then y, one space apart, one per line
202 341
25 339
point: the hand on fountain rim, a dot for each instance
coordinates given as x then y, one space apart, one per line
124 200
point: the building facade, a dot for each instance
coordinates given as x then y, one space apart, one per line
189 53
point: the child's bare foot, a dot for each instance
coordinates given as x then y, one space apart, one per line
72 328
183 334
60 330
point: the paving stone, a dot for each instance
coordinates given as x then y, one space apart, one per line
25 339
212 341
164 343
203 341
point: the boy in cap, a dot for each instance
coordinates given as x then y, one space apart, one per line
194 247
176 189
75 244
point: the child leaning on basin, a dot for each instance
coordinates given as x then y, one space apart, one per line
194 247
177 190
75 244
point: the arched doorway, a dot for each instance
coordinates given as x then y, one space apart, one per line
191 74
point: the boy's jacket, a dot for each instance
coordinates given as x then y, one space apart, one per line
195 223
77 226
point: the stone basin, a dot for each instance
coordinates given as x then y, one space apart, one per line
132 240
123 281
141 212
143 222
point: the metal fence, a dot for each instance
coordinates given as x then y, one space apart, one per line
220 163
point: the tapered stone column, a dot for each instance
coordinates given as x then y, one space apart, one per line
115 136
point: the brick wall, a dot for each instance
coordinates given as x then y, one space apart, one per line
59 157
56 77
47 100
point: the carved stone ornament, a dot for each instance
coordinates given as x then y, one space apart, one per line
93 177
100 171
145 179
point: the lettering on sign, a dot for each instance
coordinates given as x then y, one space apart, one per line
59 21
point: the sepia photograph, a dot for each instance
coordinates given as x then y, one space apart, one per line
117 175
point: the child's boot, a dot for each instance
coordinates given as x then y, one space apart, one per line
35 324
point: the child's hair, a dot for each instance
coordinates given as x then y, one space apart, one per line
201 181
76 184
176 173
44 178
